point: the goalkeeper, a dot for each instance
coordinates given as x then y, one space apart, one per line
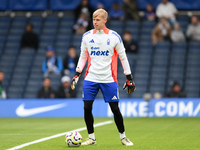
101 47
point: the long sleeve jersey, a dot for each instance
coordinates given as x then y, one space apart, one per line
101 48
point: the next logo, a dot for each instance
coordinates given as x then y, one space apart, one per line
100 53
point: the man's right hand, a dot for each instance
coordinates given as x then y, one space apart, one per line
75 80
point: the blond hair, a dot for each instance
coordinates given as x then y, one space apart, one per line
100 12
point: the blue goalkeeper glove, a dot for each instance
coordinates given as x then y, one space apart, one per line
129 84
75 80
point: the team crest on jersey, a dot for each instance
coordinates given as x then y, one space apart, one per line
108 42
92 41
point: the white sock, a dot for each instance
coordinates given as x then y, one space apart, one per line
91 136
122 135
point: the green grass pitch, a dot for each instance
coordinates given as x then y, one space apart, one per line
145 133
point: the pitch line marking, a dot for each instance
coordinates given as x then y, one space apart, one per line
57 135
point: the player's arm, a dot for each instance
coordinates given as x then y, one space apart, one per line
129 84
81 64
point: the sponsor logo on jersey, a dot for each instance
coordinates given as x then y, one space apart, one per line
99 53
95 48
92 41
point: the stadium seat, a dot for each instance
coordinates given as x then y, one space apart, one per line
117 26
194 45
193 88
157 88
15 92
179 46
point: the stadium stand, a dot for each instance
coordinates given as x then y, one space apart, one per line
153 67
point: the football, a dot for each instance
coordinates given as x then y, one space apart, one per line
73 139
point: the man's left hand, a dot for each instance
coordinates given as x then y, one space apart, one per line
129 84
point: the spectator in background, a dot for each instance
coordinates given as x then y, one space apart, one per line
161 32
2 90
52 64
168 10
129 44
193 29
130 9
81 25
116 13
64 90
46 91
100 6
176 91
29 38
70 62
85 8
157 95
150 13
177 34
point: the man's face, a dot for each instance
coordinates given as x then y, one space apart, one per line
176 27
1 76
164 1
99 22
47 83
66 84
84 2
176 88
72 52
163 21
50 54
28 28
194 20
127 37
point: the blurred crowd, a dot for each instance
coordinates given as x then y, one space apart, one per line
167 28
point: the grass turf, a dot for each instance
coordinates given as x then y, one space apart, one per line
145 133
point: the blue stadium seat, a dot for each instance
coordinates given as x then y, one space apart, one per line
148 24
116 26
15 92
133 27
62 42
157 88
194 45
192 87
193 74
177 60
161 60
179 46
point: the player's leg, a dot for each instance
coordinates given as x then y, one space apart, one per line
88 117
119 123
111 95
117 117
89 121
90 90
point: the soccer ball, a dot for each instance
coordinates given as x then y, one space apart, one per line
73 139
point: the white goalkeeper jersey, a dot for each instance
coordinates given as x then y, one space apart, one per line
101 48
